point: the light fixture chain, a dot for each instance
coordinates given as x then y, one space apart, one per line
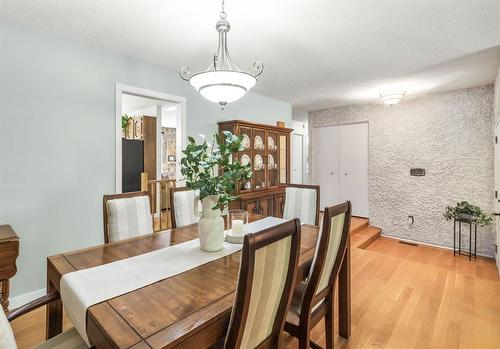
223 12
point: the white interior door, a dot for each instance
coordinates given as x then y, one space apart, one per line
497 189
326 164
354 167
297 159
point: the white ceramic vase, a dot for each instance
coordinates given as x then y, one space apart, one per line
211 224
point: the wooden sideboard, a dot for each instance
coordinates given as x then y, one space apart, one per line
264 202
9 251
267 148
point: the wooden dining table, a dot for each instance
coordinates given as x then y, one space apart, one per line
188 310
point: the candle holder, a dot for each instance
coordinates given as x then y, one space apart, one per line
237 221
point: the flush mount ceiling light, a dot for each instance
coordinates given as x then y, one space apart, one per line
223 82
392 97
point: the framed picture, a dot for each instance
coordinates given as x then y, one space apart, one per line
130 128
171 158
138 128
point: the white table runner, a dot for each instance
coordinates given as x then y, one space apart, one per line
84 288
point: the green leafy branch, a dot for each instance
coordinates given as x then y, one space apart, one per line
212 170
125 119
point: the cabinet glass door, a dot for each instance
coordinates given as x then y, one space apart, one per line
283 159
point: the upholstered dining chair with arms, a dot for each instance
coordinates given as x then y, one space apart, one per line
127 215
302 201
182 207
67 340
267 273
314 298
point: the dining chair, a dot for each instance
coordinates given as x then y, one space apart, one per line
127 215
268 270
68 340
182 207
302 201
314 298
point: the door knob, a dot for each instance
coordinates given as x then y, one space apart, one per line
331 173
345 174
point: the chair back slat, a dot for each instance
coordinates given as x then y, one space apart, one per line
336 226
330 251
267 273
127 215
181 205
302 201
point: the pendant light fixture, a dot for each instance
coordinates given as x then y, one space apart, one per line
392 97
223 82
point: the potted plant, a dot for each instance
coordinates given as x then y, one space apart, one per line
465 211
212 171
125 121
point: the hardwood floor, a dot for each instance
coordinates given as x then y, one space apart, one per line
402 297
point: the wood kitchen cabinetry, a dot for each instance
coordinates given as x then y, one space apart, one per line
267 150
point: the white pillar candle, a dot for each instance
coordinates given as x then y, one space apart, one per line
237 227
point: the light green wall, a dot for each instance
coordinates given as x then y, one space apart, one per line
57 137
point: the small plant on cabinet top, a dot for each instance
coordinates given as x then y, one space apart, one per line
125 120
211 168
464 210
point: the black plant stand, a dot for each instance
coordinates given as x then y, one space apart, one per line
459 250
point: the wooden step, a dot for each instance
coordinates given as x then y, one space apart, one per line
365 237
358 224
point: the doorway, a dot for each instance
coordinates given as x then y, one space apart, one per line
153 138
341 165
297 158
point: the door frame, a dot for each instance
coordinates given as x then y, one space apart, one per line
312 165
180 125
302 167
497 190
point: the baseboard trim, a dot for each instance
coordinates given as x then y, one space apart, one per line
15 302
426 244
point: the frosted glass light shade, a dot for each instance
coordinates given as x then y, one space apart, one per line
391 100
223 86
392 97
222 93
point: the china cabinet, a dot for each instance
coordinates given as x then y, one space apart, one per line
267 150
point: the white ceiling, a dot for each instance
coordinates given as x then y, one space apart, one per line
316 53
137 106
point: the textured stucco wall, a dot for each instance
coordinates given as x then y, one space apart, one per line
497 96
450 135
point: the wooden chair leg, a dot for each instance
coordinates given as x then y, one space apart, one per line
329 321
303 336
304 342
315 345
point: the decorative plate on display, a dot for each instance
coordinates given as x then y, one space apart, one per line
270 160
270 142
258 162
245 142
258 143
245 159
